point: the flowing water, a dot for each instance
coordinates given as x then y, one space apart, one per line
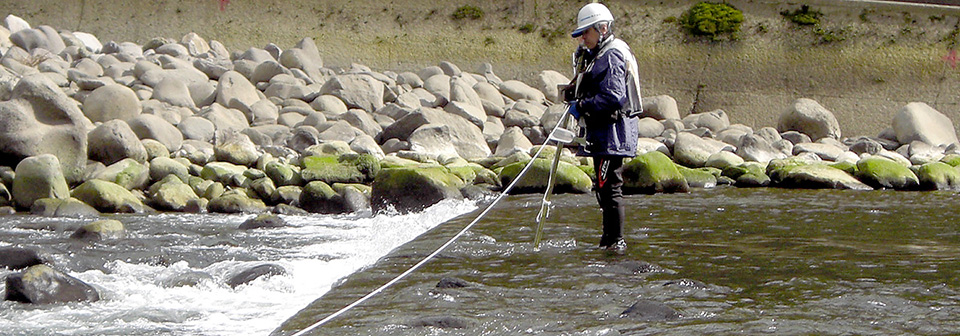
726 260
133 274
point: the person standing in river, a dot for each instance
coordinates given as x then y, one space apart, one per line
604 97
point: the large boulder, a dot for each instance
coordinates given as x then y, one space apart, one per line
808 117
111 101
40 284
882 173
511 141
40 119
651 173
347 168
753 147
436 132
661 107
113 141
39 177
747 175
547 82
518 90
108 197
693 151
568 179
410 189
715 121
235 91
237 149
148 126
356 91
920 122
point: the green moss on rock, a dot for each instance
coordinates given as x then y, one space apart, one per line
653 172
938 176
882 173
569 178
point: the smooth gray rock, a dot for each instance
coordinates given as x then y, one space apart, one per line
113 141
255 272
808 117
14 258
148 126
661 107
920 122
40 119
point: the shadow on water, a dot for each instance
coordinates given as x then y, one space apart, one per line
720 261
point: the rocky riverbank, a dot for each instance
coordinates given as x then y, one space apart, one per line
187 125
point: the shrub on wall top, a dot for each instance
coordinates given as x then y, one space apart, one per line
713 20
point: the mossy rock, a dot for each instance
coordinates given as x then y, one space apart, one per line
347 168
340 187
108 197
938 176
283 174
653 172
569 178
820 176
847 166
236 201
699 177
882 173
101 230
409 189
778 168
319 197
735 172
396 162
265 190
127 173
161 167
171 194
951 159
221 172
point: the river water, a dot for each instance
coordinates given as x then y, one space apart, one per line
133 274
727 261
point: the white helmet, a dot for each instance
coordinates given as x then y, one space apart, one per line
589 15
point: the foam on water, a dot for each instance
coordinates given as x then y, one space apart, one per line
316 251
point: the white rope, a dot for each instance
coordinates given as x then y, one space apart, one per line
441 248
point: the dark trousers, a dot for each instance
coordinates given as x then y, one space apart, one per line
609 181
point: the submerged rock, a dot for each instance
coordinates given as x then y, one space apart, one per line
254 273
650 311
263 221
442 322
15 258
100 230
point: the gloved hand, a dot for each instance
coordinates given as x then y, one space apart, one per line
573 110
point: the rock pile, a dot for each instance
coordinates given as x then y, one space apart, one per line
186 125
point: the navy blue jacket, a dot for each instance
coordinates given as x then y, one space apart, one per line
602 93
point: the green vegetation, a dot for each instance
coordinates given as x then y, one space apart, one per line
468 12
828 36
527 28
553 34
713 20
805 16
